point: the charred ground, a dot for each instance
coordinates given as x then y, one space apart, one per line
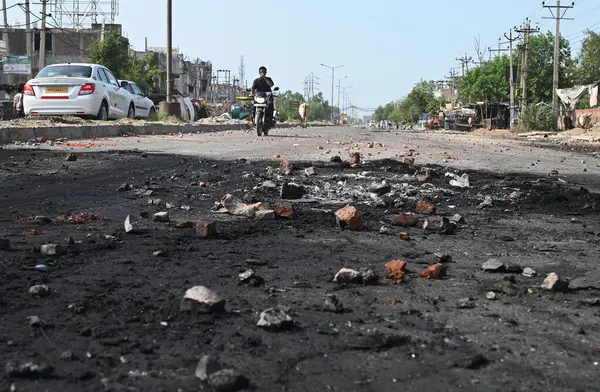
112 321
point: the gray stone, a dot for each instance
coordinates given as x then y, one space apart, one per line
207 367
491 296
71 158
124 187
466 303
347 275
332 304
291 191
247 275
380 189
161 217
43 220
34 321
5 244
265 215
487 202
41 290
29 370
228 380
155 202
457 218
129 225
555 283
275 320
529 272
159 253
52 250
493 265
269 185
202 299
310 171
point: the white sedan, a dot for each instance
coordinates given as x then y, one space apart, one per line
77 89
144 107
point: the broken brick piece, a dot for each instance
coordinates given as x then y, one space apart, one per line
348 218
436 271
405 220
405 236
425 208
206 229
286 166
555 283
354 159
396 270
185 225
285 211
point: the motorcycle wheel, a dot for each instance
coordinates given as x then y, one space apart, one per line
259 123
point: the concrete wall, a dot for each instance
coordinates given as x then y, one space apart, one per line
595 113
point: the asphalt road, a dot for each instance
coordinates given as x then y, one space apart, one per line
458 150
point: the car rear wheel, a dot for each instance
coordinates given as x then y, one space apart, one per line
131 111
103 112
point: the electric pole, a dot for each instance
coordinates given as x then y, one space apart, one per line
5 14
339 91
499 50
464 62
512 77
526 31
43 37
28 44
558 14
332 84
452 79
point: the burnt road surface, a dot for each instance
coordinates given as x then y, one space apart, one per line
87 306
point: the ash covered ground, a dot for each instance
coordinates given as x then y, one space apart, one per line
105 312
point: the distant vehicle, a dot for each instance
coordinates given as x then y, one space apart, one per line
144 107
77 89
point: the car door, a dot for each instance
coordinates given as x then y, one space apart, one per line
106 86
121 102
141 104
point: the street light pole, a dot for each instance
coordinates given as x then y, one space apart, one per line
339 88
332 83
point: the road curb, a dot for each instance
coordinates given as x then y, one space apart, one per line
24 134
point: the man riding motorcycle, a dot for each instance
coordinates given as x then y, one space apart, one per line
263 84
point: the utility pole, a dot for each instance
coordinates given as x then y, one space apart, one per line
332 84
464 62
28 44
499 50
558 14
512 77
43 36
526 31
169 50
339 91
452 79
5 14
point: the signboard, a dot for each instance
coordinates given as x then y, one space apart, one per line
294 105
2 48
17 65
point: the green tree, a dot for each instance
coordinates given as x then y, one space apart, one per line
112 52
143 72
486 83
540 63
587 63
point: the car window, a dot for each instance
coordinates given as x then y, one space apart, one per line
136 89
102 75
111 78
71 71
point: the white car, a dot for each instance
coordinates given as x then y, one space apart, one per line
77 89
144 107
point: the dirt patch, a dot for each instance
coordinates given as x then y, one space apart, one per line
111 318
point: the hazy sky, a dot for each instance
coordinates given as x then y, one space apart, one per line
385 45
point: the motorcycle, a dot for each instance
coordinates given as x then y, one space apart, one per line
262 120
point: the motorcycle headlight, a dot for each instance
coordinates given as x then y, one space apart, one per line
260 99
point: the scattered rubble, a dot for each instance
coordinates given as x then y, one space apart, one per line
493 265
425 208
285 211
291 191
206 367
529 272
275 320
29 370
161 217
354 159
441 225
333 304
53 250
265 215
40 290
202 299
348 218
405 220
129 228
71 158
436 271
234 206
459 181
347 276
396 269
554 283
205 229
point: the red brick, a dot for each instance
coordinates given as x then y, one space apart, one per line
405 220
436 271
396 270
425 208
285 211
354 159
206 228
350 217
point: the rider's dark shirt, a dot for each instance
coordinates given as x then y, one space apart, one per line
260 85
